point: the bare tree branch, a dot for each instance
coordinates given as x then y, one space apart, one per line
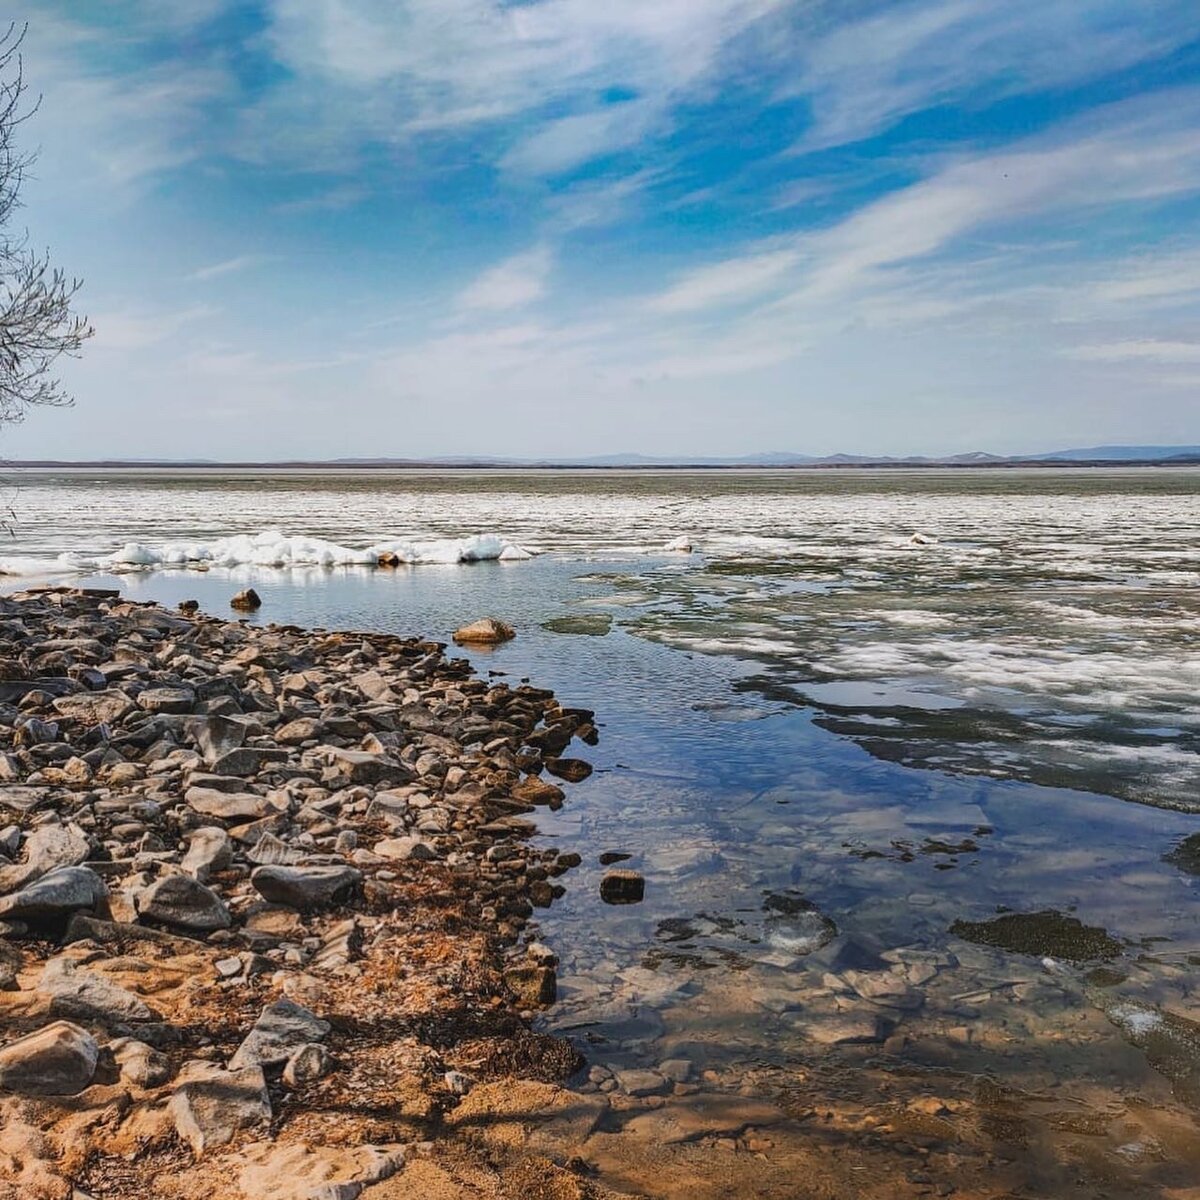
37 325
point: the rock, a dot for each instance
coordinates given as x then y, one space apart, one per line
209 849
297 1171
678 1070
248 760
642 1083
885 987
24 799
360 766
306 1065
281 1028
54 897
185 903
622 887
573 770
228 806
141 1065
210 1106
88 996
247 600
58 1060
303 729
95 708
537 791
533 986
486 632
457 1083
305 888
845 1028
47 848
401 848
215 735
167 700
269 850
189 606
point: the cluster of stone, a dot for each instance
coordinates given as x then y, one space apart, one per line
247 872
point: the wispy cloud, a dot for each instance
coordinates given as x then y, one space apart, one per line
1139 350
228 266
515 283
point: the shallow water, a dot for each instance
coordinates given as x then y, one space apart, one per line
837 755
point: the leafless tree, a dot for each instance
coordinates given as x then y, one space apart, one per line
37 325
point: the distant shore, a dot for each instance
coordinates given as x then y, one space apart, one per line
998 464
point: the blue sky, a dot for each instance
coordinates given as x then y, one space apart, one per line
323 228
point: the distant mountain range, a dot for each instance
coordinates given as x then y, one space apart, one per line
1089 455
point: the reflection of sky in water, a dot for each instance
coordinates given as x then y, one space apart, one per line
758 737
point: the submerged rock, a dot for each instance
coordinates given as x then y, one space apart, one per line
1043 934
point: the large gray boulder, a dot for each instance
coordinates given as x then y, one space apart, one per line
305 887
211 1106
184 902
55 896
281 1028
57 1060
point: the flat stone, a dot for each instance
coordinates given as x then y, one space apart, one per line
845 1029
55 896
642 1083
281 1028
248 760
24 799
400 848
305 887
184 902
56 1060
228 806
211 1106
269 850
167 700
297 1171
573 770
95 708
303 729
87 995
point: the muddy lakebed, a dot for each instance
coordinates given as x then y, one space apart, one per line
908 765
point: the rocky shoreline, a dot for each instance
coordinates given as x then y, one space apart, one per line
264 896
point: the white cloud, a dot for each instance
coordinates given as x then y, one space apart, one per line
727 282
1139 350
864 75
123 329
514 283
228 267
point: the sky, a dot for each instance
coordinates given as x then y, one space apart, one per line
337 228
